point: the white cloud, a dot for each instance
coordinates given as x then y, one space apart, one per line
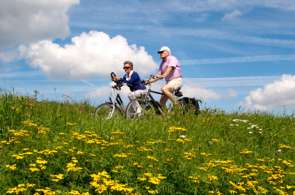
232 82
241 59
191 89
217 5
231 36
23 22
232 15
100 91
90 54
105 91
232 93
277 94
7 56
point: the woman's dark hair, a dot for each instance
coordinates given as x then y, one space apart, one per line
129 62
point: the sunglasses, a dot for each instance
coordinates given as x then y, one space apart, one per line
126 67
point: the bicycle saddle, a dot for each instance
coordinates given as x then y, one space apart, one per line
177 92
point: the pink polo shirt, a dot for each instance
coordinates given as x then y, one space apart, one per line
171 61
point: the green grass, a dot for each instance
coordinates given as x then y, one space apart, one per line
212 153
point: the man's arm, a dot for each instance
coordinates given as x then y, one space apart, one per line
161 76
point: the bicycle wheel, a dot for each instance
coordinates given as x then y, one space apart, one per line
154 107
148 108
189 105
106 111
131 111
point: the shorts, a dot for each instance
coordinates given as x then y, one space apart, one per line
136 94
174 83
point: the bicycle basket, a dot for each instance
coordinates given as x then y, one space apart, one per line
178 93
190 104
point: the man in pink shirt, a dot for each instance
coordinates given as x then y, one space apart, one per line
170 70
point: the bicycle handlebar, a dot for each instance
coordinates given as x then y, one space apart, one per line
118 83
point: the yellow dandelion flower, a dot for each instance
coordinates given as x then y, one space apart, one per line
232 192
288 163
152 158
215 140
129 146
274 178
144 149
42 130
212 178
72 167
46 191
154 180
11 167
290 187
284 146
204 154
246 151
153 191
182 140
34 169
189 155
148 174
238 187
71 124
57 177
20 188
174 129
118 169
251 184
137 165
262 190
29 123
195 179
100 188
141 178
41 161
118 133
121 155
17 157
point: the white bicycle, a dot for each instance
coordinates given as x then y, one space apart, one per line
114 106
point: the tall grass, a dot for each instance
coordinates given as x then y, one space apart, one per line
59 148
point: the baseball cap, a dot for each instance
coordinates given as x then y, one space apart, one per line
164 48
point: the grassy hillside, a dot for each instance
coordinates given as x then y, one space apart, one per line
58 148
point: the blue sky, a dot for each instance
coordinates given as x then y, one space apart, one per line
234 54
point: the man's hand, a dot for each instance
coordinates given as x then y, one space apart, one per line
146 82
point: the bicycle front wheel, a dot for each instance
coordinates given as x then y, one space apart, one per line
106 111
131 111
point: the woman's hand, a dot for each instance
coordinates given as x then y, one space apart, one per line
115 78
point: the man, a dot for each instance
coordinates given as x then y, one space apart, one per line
132 79
171 71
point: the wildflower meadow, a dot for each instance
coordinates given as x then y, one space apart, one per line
60 148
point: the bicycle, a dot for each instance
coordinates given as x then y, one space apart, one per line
114 106
148 103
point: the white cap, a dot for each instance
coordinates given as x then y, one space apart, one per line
164 48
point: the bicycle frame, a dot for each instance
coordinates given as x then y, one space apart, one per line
116 101
159 93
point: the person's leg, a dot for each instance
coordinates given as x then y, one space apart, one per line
170 87
163 101
133 97
168 91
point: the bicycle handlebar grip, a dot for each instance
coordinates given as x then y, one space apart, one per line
113 75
